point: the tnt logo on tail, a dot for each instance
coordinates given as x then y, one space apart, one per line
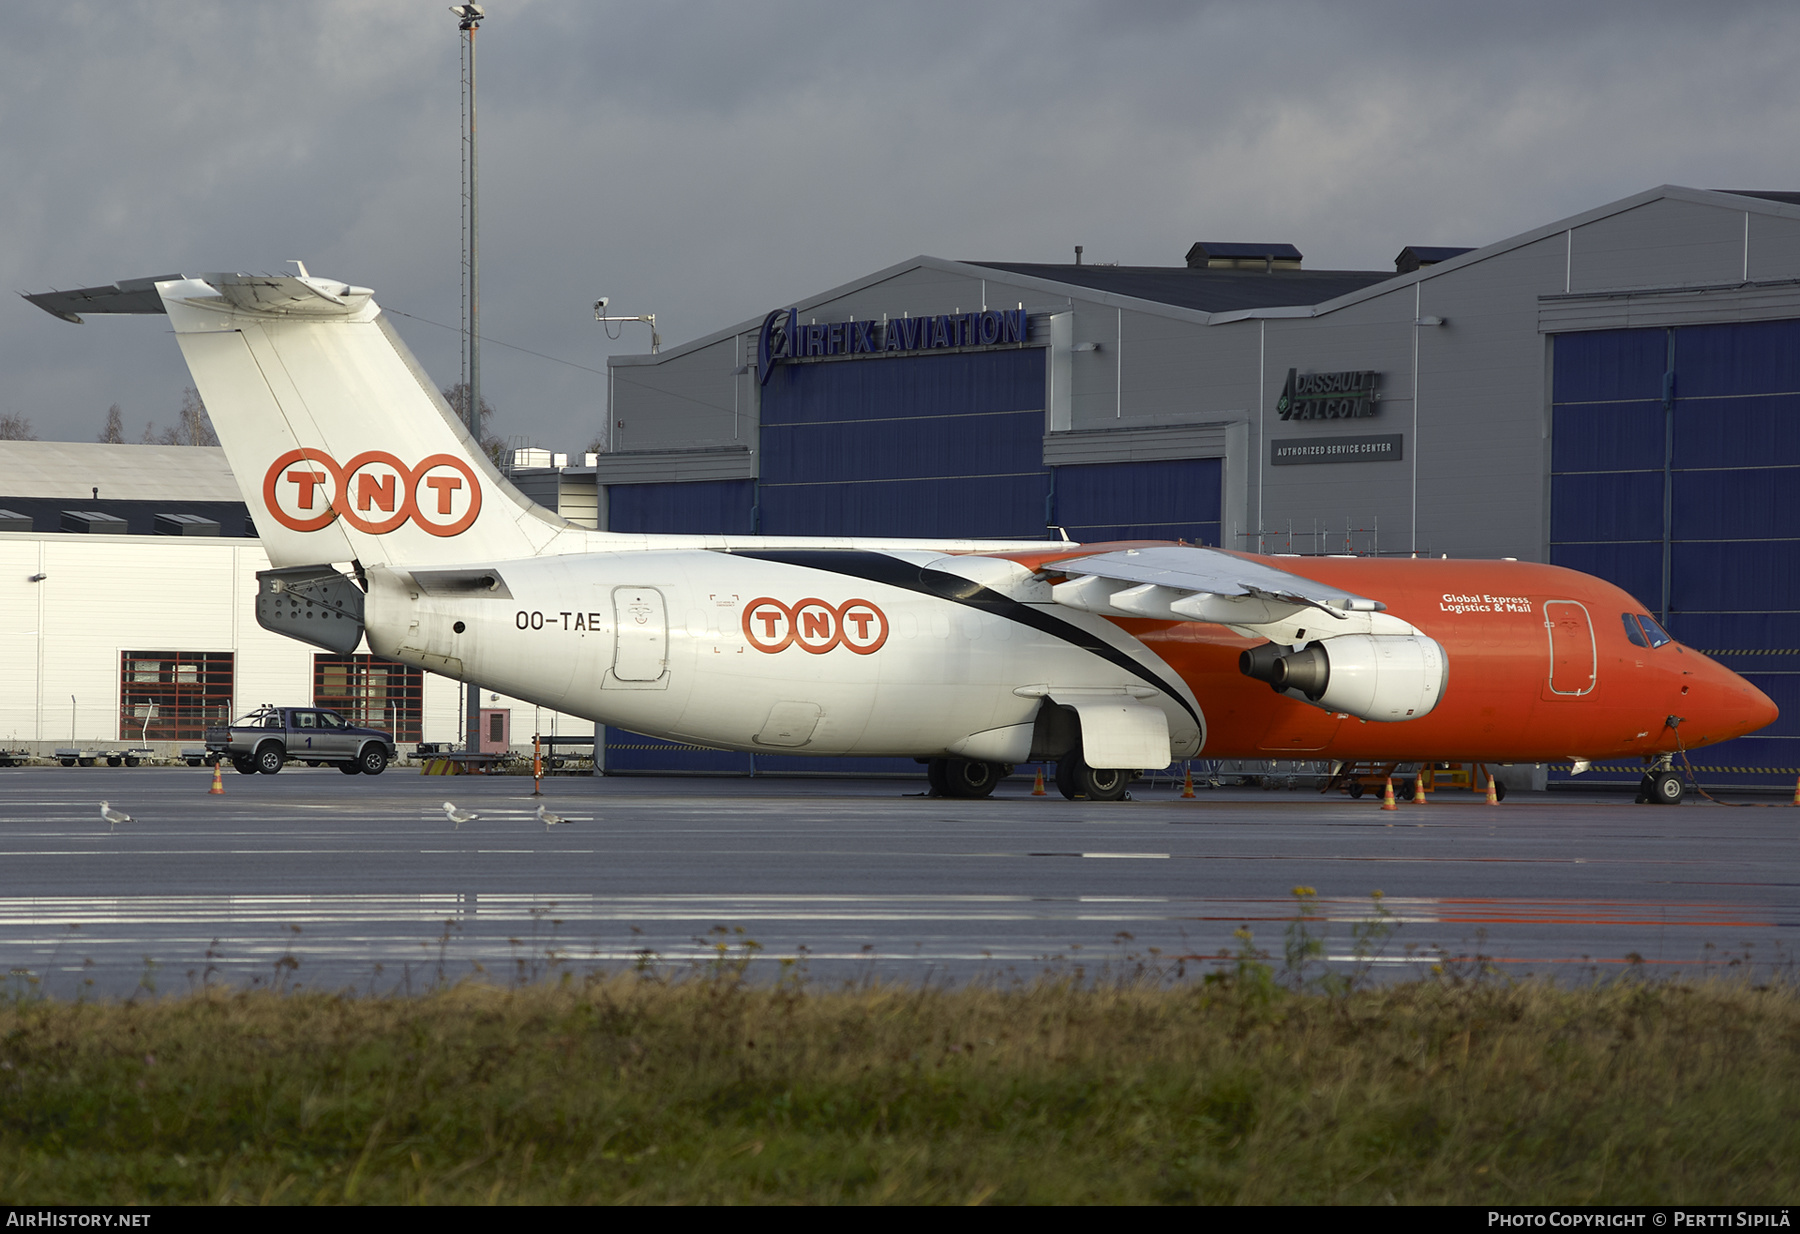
375 493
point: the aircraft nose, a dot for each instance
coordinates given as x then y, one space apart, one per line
1732 705
1759 707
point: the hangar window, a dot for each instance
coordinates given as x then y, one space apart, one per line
372 692
173 695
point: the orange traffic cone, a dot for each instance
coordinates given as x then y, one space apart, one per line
218 787
1419 789
1493 797
1037 785
1187 782
1797 792
1387 795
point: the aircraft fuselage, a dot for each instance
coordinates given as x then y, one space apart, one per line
884 653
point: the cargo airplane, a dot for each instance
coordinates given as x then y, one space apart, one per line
969 655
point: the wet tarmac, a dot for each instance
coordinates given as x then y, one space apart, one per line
321 880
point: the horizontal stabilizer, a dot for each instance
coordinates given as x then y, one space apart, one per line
272 294
126 296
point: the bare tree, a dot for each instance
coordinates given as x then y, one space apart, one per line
14 427
114 432
196 425
192 427
458 398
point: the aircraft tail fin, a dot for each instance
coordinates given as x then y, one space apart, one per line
343 448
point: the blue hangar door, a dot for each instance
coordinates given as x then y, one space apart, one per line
1164 499
1675 473
932 445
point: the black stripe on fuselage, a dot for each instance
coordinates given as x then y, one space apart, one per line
881 568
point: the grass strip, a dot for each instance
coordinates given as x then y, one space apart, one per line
711 1089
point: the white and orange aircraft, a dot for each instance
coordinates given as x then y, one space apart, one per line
973 655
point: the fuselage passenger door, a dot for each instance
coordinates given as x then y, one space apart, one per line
1573 659
641 642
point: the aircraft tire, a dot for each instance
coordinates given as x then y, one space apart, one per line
270 759
936 775
970 778
1666 788
1065 776
244 763
1103 783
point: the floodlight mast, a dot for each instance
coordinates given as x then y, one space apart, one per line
468 20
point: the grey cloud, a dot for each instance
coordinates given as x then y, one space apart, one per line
708 161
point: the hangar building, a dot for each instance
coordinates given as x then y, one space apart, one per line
1618 391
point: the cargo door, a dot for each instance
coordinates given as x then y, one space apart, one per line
641 645
1573 660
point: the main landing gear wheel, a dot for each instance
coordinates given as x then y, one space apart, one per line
970 778
1075 778
1666 788
936 772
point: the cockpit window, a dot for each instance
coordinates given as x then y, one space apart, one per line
1632 631
1652 631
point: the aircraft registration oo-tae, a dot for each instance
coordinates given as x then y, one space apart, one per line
973 655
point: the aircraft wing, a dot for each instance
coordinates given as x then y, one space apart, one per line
1181 583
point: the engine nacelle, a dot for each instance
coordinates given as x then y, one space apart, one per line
1383 677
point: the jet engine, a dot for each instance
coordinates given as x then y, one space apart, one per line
1372 676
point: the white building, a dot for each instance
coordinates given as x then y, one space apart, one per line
127 614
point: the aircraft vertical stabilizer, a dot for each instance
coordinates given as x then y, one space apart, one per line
343 448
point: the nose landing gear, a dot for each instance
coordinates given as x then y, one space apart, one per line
1662 785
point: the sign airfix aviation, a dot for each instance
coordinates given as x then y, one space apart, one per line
785 337
973 655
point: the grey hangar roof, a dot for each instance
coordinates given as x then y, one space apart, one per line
1204 290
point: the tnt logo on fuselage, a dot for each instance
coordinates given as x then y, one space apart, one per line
815 626
305 490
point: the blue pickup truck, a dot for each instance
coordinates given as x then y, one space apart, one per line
269 738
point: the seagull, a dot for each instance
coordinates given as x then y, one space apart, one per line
114 817
550 820
459 817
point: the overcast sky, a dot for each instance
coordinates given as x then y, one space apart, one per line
711 161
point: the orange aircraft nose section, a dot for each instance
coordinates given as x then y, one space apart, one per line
1720 705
